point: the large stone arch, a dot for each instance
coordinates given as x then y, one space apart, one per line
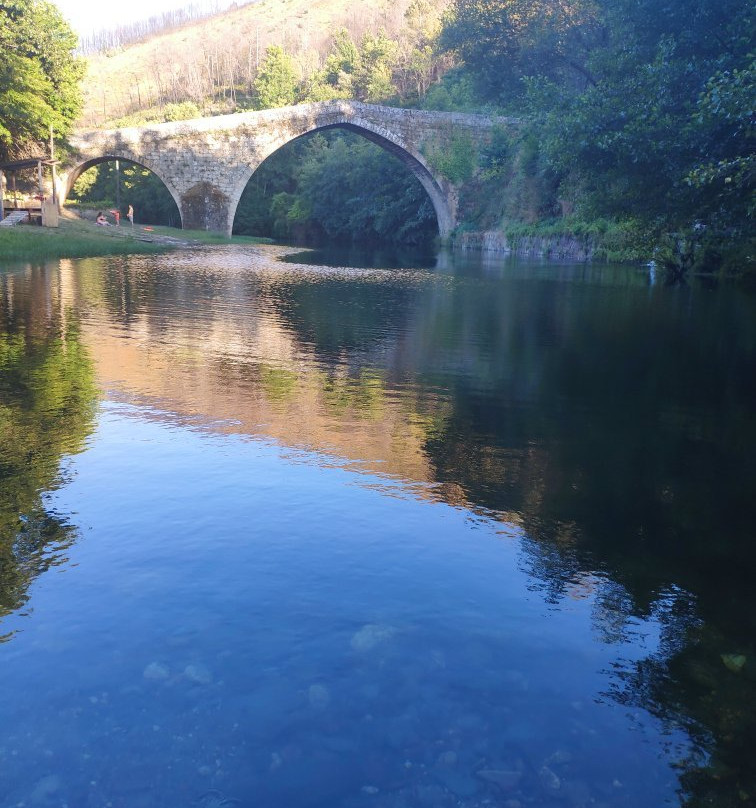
442 196
67 179
206 163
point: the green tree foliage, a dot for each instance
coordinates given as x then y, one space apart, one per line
365 72
643 109
373 80
379 68
501 41
39 75
661 110
726 168
336 79
456 160
276 82
336 187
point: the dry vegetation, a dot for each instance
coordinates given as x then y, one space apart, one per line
212 63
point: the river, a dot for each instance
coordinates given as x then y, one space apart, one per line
437 533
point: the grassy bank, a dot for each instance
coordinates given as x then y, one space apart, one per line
77 238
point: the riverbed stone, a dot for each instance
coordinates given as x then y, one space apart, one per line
459 783
504 779
370 636
318 696
44 789
156 671
198 674
549 779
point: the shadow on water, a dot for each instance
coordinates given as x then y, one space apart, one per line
359 257
47 401
611 420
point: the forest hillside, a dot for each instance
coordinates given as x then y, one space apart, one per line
210 66
637 118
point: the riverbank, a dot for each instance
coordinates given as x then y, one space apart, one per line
561 240
692 252
78 238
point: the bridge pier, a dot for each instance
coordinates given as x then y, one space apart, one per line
205 207
206 163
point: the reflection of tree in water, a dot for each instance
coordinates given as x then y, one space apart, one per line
345 317
616 426
635 462
47 398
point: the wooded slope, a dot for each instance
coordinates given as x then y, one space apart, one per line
213 62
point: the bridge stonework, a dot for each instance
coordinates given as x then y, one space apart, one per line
206 163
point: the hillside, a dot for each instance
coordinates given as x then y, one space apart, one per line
213 62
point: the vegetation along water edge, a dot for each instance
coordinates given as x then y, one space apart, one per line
635 140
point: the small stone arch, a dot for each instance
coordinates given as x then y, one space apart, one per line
441 195
66 181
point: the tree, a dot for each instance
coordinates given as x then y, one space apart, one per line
139 187
502 41
642 110
39 75
377 56
336 187
336 78
276 82
727 166
671 109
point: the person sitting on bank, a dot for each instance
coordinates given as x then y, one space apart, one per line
101 218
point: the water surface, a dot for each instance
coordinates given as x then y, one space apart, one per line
451 533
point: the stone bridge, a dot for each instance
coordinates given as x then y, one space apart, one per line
206 163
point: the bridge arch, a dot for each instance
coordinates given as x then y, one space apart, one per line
67 180
442 199
206 163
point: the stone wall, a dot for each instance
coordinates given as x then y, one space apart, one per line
562 247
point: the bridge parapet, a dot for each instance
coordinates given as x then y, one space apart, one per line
206 163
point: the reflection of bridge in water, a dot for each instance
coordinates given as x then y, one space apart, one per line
254 373
251 375
206 163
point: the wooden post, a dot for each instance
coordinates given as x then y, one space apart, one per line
52 168
118 185
13 187
2 198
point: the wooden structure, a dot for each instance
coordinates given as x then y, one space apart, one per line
35 211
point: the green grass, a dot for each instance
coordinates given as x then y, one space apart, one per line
77 238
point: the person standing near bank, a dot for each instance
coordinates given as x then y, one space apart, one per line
130 214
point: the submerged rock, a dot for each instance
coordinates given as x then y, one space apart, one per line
504 779
448 758
549 780
156 671
318 696
433 796
371 635
45 788
216 799
198 674
559 758
457 782
734 662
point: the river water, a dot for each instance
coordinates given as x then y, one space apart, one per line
461 533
